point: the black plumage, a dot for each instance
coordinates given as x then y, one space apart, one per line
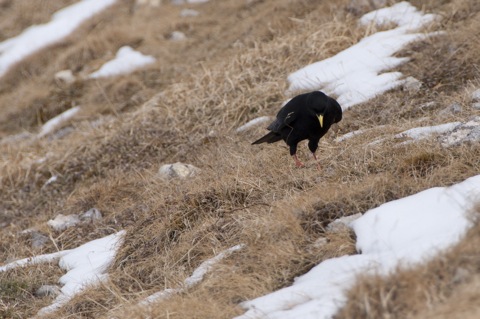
306 116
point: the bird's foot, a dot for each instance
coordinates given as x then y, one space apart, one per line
316 160
297 162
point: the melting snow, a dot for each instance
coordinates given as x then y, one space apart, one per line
355 74
194 279
85 265
37 37
53 123
426 131
127 60
401 232
254 122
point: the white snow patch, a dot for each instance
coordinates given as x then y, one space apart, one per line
355 74
402 14
53 123
349 135
37 37
195 278
426 131
51 180
85 266
402 232
40 259
126 61
254 122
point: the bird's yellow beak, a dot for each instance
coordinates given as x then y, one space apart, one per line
320 119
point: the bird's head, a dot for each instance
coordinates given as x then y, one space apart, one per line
337 111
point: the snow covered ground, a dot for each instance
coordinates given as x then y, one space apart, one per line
86 266
398 233
38 37
126 61
195 278
355 74
55 122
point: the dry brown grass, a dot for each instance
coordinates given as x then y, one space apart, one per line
18 287
185 108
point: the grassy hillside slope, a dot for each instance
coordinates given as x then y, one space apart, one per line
186 107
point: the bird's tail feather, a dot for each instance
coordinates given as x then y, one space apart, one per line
271 137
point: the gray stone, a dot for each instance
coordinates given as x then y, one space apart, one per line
455 108
342 224
47 290
177 36
91 215
476 95
177 170
427 106
476 105
461 275
189 13
38 239
412 85
320 242
65 76
468 132
62 222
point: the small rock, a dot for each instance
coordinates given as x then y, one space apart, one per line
91 215
189 13
476 95
62 222
177 36
461 275
412 85
427 106
65 76
38 239
455 108
47 290
342 224
476 105
177 170
468 132
320 242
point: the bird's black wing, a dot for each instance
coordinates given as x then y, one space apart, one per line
285 117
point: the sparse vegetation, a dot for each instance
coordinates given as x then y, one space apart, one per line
232 68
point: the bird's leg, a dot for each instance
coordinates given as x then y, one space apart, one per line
297 161
316 160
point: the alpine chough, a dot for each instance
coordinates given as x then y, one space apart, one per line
306 116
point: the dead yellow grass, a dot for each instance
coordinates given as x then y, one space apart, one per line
186 108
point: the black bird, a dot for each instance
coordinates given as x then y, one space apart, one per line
306 116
